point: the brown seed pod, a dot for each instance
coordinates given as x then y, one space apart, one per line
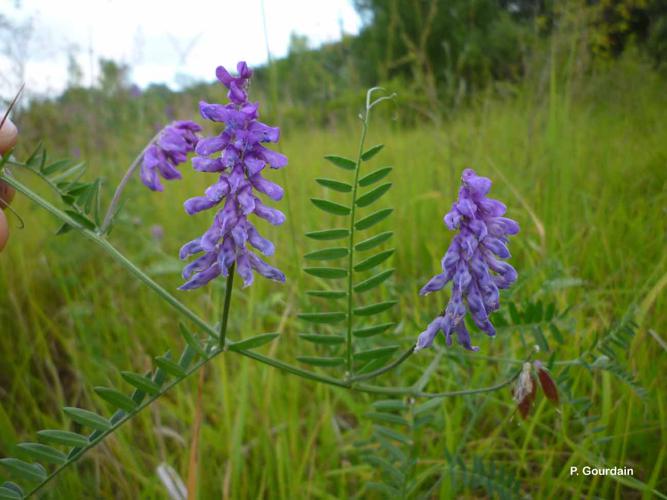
547 383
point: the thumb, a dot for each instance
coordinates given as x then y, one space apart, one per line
8 136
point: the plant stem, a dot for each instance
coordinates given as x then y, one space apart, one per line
111 250
225 309
384 369
350 260
115 201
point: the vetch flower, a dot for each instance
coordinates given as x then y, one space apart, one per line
169 150
472 263
237 157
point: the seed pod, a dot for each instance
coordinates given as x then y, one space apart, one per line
525 390
547 383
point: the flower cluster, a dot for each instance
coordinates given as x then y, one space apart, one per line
471 263
170 149
238 157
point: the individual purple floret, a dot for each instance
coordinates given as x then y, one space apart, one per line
472 263
169 150
237 156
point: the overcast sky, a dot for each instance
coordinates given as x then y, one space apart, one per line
168 41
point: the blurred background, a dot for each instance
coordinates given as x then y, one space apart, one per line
561 103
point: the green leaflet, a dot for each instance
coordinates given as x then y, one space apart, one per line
373 218
371 330
322 339
87 418
371 152
327 254
140 382
323 317
375 176
388 418
373 281
374 260
390 405
341 162
329 234
24 470
254 342
117 399
327 272
43 452
380 352
191 340
374 308
373 195
327 294
321 361
331 206
391 434
169 366
64 438
373 241
341 187
7 493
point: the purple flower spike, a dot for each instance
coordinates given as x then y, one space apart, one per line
471 263
236 156
169 150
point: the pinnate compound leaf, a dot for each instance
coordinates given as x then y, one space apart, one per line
327 272
327 294
254 342
341 187
341 162
323 317
64 438
322 339
169 366
373 218
373 281
380 352
373 241
327 254
24 470
87 418
373 195
371 152
43 452
374 308
375 176
374 260
317 361
117 399
140 382
371 330
329 234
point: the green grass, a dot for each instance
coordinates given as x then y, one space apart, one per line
585 174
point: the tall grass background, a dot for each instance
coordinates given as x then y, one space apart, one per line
580 158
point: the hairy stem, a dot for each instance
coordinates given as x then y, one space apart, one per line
384 369
115 201
225 308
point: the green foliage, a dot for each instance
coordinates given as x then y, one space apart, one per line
340 346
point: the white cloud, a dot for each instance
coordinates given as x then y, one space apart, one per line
161 39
